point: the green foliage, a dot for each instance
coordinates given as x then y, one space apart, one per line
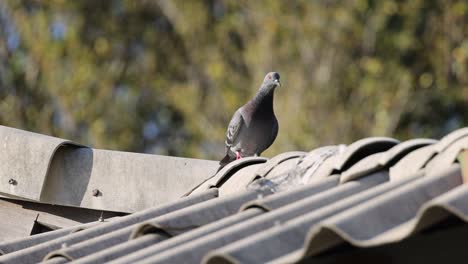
165 76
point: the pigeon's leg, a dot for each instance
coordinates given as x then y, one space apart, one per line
238 156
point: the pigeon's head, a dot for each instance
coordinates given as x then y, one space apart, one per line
272 80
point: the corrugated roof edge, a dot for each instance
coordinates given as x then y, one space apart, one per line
22 243
421 221
441 190
36 252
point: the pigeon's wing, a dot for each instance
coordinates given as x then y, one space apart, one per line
234 128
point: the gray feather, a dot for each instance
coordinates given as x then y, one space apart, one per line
234 128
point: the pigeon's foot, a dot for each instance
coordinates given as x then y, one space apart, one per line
238 156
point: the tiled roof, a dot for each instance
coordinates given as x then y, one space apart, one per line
57 171
293 207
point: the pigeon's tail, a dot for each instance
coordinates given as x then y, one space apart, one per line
225 161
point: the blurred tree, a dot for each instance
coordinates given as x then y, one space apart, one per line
165 76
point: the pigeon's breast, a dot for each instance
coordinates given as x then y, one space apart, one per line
259 135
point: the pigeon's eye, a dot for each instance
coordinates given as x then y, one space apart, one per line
269 77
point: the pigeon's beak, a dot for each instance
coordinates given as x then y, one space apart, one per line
278 82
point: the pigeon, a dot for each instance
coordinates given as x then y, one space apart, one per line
254 126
